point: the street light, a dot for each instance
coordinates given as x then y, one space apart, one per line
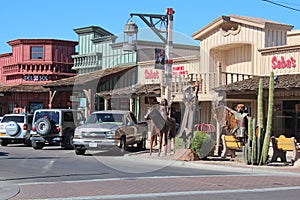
130 29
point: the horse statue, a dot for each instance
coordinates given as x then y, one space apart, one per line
161 126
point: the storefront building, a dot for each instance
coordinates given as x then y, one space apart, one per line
99 50
241 50
32 63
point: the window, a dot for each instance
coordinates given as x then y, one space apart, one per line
37 52
52 116
18 119
68 117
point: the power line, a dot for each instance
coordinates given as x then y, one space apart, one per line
289 4
281 5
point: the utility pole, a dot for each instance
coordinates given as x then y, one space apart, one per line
167 39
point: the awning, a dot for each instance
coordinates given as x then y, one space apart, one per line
85 79
23 88
288 81
147 89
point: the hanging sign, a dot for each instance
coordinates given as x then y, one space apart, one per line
159 59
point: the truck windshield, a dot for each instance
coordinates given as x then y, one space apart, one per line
105 118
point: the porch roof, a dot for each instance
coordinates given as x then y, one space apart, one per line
287 81
23 88
137 90
83 79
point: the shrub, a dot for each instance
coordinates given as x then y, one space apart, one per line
202 144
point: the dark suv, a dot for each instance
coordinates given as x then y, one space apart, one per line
55 127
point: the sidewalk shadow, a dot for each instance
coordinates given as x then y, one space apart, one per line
112 152
220 159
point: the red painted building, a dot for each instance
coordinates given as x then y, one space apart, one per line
32 63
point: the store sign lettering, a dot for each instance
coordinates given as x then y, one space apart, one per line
35 78
283 63
179 70
150 74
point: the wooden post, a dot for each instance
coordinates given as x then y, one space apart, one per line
51 97
218 126
88 94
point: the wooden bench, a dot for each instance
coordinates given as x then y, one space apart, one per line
230 145
281 146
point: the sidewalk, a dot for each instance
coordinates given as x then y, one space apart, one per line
224 164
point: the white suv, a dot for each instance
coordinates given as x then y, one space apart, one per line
55 127
15 128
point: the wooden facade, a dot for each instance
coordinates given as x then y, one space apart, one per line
239 47
32 63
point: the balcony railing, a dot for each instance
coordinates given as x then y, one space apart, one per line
87 61
206 81
228 78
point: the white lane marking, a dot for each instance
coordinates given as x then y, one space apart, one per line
147 195
49 165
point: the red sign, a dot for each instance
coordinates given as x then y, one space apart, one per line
282 63
179 70
149 74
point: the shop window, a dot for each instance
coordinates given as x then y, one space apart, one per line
37 52
33 106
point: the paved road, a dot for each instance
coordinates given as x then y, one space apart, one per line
54 173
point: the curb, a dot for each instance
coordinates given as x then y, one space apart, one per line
228 167
8 190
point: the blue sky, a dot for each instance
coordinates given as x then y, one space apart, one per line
57 18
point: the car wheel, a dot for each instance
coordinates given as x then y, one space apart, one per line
4 142
123 146
142 145
38 145
43 126
12 128
80 151
68 140
27 142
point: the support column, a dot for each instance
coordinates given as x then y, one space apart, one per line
218 126
106 103
90 100
51 97
131 104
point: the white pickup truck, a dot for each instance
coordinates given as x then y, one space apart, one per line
109 129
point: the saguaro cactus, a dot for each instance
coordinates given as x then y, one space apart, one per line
260 117
254 142
257 148
266 143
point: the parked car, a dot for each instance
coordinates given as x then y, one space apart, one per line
55 127
109 129
15 128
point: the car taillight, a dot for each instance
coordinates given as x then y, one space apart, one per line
33 128
25 127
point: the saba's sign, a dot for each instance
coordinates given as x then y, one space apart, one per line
282 63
